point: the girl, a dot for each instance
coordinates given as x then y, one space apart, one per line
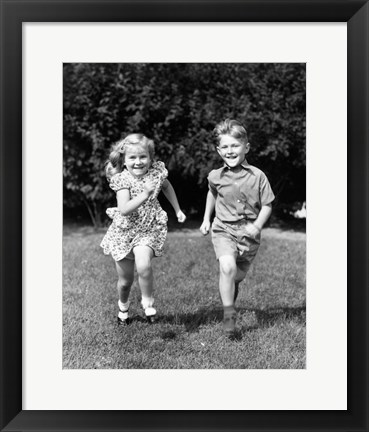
139 226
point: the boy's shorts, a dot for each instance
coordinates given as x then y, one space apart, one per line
230 238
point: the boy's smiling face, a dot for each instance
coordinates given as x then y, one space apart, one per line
232 150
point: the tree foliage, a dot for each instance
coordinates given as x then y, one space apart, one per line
178 105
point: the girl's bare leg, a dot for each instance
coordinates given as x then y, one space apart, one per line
125 270
143 258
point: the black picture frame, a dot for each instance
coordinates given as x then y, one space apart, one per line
13 14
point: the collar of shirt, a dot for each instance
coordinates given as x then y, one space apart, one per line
244 164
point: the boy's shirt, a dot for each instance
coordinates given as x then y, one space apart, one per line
239 195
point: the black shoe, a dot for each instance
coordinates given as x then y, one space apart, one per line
151 319
123 318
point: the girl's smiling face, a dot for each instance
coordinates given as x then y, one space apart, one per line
232 150
137 160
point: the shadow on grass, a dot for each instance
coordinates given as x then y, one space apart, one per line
259 319
269 317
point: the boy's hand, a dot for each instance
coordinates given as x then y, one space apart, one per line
181 216
205 227
252 230
149 187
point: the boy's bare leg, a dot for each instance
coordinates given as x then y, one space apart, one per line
242 269
227 275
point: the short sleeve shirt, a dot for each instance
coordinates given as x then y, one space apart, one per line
239 194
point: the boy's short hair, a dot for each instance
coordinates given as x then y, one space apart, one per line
233 128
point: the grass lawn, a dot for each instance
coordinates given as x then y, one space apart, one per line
188 335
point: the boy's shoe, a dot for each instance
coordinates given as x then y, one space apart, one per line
229 322
150 314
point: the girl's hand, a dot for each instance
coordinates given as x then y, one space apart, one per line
252 230
205 227
181 216
149 187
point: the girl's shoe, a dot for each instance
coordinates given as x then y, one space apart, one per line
123 317
150 314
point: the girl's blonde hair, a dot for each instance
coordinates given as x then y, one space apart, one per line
115 163
233 128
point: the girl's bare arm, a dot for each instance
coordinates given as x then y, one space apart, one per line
171 196
209 208
126 205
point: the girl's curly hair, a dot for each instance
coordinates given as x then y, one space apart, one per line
115 163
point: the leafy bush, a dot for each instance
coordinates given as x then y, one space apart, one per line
178 106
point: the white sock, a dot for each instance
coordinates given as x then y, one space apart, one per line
123 307
123 315
147 303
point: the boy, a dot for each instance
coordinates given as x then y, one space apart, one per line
242 197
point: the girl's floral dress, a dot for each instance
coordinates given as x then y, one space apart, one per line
147 226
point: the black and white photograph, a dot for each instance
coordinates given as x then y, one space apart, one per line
184 216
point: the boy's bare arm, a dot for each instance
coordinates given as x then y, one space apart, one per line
254 228
171 196
209 208
263 216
